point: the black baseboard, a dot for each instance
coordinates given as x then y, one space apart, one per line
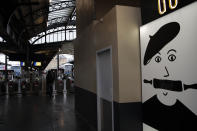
86 105
128 116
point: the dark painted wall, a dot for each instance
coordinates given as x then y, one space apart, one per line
85 14
102 7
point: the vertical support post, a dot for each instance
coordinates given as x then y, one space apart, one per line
28 66
54 90
65 34
69 35
6 68
43 84
19 86
6 76
58 63
31 81
45 37
53 37
27 63
57 78
61 36
7 88
64 85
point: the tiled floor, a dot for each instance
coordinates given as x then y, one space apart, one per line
40 113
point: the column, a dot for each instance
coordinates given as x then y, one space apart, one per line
0 90
43 84
64 85
54 90
6 76
58 61
19 86
31 81
7 88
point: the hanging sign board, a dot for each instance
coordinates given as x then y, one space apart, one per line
169 66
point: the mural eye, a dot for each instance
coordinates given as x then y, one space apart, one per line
172 57
158 59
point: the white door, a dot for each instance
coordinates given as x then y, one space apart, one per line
104 90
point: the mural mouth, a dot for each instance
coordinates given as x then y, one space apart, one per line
165 93
171 85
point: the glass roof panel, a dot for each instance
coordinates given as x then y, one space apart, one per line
60 11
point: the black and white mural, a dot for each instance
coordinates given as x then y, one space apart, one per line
169 71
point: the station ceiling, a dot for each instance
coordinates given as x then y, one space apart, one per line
21 20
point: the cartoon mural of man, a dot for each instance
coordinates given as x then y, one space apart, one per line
164 111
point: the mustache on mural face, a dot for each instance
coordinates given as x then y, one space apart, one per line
171 85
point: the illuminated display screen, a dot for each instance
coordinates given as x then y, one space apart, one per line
37 64
33 63
22 64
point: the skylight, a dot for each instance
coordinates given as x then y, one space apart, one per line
60 11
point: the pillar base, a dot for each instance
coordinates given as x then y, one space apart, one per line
7 95
64 91
54 92
19 94
43 93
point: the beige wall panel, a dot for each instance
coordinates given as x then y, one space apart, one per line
128 22
119 28
105 36
85 61
99 34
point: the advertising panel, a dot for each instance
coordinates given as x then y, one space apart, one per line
169 70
